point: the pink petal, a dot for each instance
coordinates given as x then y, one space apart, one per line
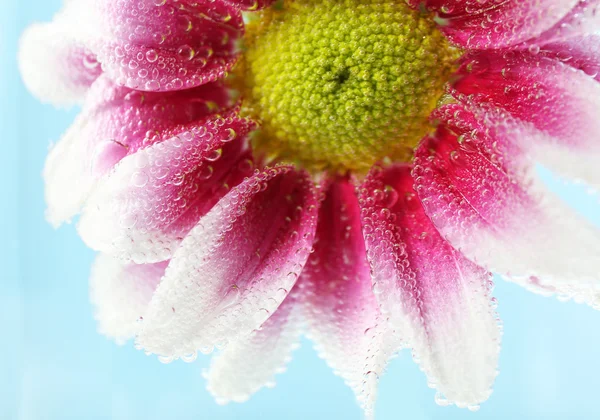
491 24
165 45
116 122
251 362
438 301
343 315
574 40
481 191
120 293
582 20
55 65
552 105
579 52
233 270
152 199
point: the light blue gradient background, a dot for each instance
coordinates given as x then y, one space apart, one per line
53 364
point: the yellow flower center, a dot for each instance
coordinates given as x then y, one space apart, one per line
340 84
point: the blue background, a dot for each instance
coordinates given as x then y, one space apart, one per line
53 364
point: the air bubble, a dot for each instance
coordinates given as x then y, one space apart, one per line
139 179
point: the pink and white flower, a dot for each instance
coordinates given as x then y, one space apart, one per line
206 244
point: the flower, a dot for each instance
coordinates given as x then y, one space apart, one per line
378 164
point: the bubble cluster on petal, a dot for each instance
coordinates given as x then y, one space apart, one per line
165 45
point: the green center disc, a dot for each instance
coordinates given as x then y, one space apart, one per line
340 84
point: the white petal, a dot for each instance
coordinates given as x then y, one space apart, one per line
343 315
120 293
55 64
235 267
437 300
250 363
482 192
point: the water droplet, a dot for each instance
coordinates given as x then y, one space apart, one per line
189 358
206 171
152 85
165 359
231 134
139 179
128 220
231 296
441 400
151 56
214 155
186 52
206 349
90 61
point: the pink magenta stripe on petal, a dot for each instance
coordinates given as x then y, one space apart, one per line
120 293
55 66
251 362
491 24
554 107
482 193
165 45
438 302
343 315
149 202
116 122
233 270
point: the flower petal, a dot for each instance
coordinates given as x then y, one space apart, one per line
120 293
67 173
491 24
582 20
552 105
152 198
116 122
165 45
235 267
55 65
481 191
343 315
579 52
437 300
565 292
251 362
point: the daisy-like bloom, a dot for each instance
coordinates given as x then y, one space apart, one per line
354 169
